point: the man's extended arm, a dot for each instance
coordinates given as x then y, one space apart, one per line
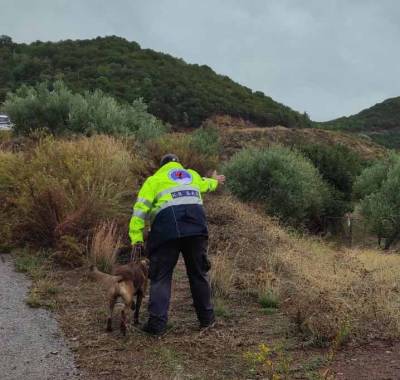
210 184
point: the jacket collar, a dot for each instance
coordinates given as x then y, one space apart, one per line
169 166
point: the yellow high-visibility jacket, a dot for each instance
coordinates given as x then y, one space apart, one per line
171 201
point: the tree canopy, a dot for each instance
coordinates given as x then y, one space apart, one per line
381 122
176 92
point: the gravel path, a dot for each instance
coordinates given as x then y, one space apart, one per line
31 346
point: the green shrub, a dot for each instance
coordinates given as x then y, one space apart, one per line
378 187
205 140
26 262
269 300
221 308
372 178
339 166
287 184
60 111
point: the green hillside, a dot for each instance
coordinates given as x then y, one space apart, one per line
179 93
381 122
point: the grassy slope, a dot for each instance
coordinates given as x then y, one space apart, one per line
257 265
381 122
351 293
237 134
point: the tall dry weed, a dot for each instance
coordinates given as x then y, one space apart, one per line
223 273
10 164
105 243
64 188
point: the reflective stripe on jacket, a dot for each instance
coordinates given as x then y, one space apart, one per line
171 201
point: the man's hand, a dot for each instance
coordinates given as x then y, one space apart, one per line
219 177
137 250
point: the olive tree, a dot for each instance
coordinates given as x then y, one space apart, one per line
287 183
378 188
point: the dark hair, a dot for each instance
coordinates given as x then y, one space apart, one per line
170 157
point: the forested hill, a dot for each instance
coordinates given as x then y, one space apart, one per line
179 93
381 122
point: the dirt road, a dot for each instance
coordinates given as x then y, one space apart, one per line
31 346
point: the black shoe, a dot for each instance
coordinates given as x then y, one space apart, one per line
151 331
207 325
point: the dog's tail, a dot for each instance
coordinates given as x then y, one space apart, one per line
104 278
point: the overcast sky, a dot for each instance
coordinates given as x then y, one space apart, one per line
327 57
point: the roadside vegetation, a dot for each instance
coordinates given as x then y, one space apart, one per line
67 194
38 266
54 108
176 92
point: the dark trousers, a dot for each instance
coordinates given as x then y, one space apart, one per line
162 263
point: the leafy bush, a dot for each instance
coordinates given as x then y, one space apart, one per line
205 140
59 110
287 184
63 189
339 166
372 178
378 187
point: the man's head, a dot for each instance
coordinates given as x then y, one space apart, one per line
170 157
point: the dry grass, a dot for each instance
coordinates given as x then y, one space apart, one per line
56 193
237 134
43 290
59 192
180 144
5 137
329 293
105 242
223 273
383 269
183 353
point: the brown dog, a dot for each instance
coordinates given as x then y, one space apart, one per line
126 281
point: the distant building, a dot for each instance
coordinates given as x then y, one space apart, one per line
5 122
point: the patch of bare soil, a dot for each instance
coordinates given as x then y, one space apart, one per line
377 361
184 352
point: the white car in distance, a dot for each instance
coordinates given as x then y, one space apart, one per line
5 122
